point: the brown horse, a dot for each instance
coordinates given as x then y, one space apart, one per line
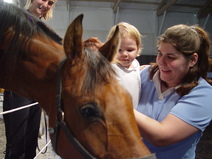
90 114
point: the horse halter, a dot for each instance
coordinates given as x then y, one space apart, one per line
61 124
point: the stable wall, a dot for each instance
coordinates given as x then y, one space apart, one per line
98 21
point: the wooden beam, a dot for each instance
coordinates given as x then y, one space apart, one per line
205 10
161 4
205 13
116 5
165 7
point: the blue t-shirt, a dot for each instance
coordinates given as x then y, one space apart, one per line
194 108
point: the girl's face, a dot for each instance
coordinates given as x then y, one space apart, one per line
40 7
173 65
128 51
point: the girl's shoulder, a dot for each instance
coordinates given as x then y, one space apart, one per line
144 69
145 74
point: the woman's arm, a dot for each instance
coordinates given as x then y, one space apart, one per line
171 130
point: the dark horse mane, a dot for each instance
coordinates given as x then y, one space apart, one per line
21 26
99 71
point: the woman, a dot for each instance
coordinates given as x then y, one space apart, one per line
22 127
175 102
41 8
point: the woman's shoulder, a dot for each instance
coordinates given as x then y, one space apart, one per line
202 91
195 107
203 85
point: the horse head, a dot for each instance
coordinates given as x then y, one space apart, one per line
97 109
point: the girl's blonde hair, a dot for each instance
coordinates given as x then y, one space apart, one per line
128 30
48 15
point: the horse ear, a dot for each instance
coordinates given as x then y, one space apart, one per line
109 49
73 38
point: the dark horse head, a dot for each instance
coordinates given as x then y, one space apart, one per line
90 102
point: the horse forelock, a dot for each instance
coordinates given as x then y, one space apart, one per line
99 71
20 26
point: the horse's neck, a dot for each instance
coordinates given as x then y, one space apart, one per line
34 76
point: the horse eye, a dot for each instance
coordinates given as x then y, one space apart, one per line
90 111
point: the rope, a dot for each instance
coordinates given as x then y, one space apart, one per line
23 107
19 108
42 149
27 106
46 132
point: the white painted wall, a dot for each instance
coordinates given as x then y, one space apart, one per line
145 22
98 21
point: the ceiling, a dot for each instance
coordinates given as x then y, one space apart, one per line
201 8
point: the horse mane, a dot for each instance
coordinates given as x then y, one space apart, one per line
21 26
99 71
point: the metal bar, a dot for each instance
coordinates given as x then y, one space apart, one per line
161 26
116 16
206 21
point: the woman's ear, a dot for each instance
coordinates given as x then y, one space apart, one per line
194 59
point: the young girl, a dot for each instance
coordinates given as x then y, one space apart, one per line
125 64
